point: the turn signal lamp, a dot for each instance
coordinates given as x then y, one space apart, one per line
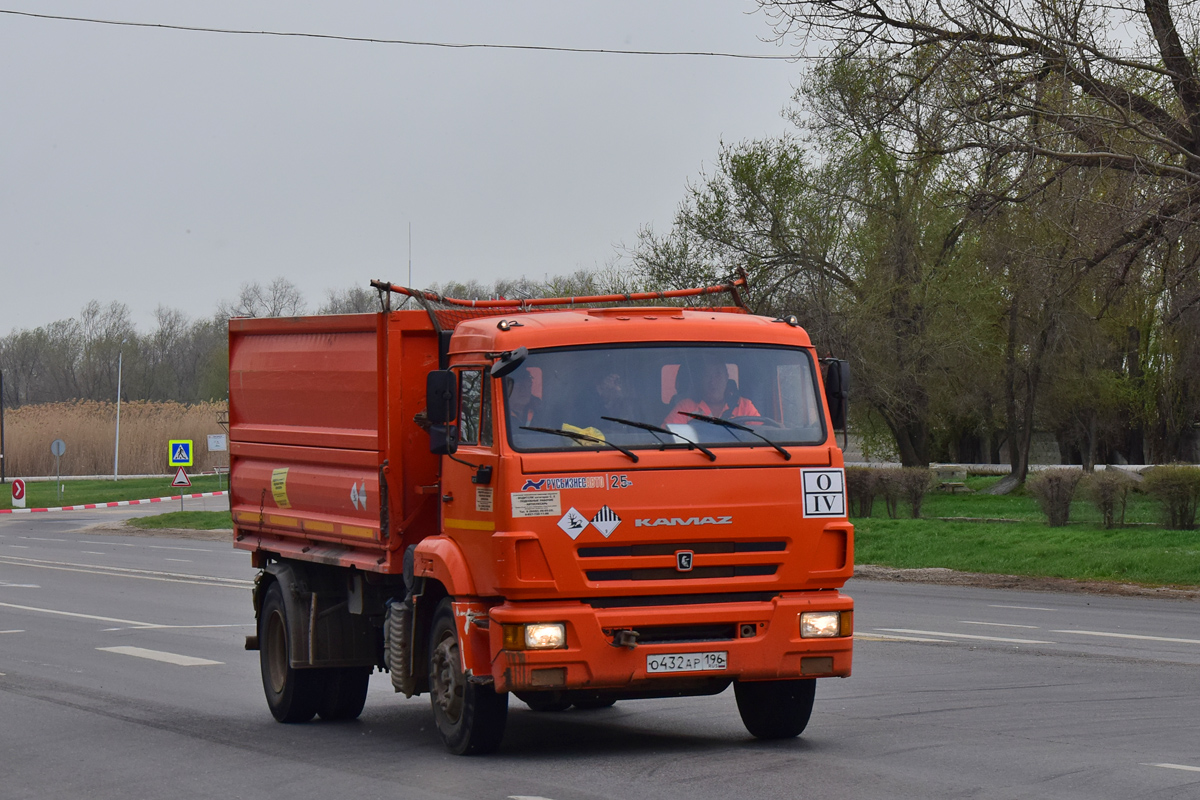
824 624
535 636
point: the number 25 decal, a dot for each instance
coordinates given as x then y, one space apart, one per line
619 482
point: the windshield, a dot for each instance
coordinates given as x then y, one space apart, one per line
650 396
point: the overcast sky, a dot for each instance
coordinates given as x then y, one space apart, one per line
167 167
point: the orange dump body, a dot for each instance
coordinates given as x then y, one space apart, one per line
326 463
716 557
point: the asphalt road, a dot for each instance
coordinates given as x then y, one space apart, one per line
124 676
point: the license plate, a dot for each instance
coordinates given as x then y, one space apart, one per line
686 662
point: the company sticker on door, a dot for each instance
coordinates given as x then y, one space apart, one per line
824 492
536 504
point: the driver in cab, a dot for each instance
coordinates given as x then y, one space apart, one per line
710 395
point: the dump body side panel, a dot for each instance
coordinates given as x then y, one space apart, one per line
323 447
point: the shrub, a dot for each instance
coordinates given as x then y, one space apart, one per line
888 483
913 483
1177 487
1108 491
862 486
1054 490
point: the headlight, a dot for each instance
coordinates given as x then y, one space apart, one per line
820 624
535 636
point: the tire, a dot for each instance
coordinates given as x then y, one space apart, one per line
544 701
291 693
343 693
470 718
775 709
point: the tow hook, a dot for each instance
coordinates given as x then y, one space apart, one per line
626 638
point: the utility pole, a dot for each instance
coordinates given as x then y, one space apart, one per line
3 479
117 446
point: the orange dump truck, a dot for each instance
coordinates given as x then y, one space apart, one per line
575 506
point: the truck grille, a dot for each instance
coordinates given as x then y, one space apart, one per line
632 554
668 574
660 634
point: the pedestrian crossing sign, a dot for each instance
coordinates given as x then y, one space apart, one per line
179 452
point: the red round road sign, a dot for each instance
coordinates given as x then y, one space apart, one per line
18 489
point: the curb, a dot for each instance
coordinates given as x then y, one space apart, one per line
113 504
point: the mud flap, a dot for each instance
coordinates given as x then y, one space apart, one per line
398 645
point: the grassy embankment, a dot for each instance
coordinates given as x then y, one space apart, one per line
1140 552
42 494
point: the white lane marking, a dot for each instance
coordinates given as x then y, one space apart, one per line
43 539
92 553
964 636
1025 608
1133 636
1174 766
77 615
150 546
180 560
127 572
7 585
13 631
20 546
883 637
526 797
997 624
181 627
158 655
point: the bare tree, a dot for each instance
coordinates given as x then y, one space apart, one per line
280 298
355 300
1111 87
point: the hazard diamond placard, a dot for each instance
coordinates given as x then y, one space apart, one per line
181 478
179 453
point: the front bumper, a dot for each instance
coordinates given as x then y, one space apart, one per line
591 659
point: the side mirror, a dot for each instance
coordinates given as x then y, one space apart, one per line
508 362
837 391
441 406
443 439
441 396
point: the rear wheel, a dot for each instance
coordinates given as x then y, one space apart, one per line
775 709
470 717
343 692
291 693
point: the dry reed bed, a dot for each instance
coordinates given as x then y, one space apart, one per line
88 429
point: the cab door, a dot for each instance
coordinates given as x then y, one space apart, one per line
469 500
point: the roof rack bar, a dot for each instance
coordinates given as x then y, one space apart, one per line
732 287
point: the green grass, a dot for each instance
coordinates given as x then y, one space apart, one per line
1140 552
42 494
194 520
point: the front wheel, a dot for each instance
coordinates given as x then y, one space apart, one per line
470 718
775 709
292 694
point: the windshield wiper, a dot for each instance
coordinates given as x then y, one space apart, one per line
582 437
738 426
646 426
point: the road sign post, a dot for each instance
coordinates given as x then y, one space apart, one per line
181 480
57 448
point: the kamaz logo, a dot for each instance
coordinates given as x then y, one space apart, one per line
647 523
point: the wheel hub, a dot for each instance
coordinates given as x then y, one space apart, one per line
447 679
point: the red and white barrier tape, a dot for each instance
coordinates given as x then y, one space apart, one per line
114 504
